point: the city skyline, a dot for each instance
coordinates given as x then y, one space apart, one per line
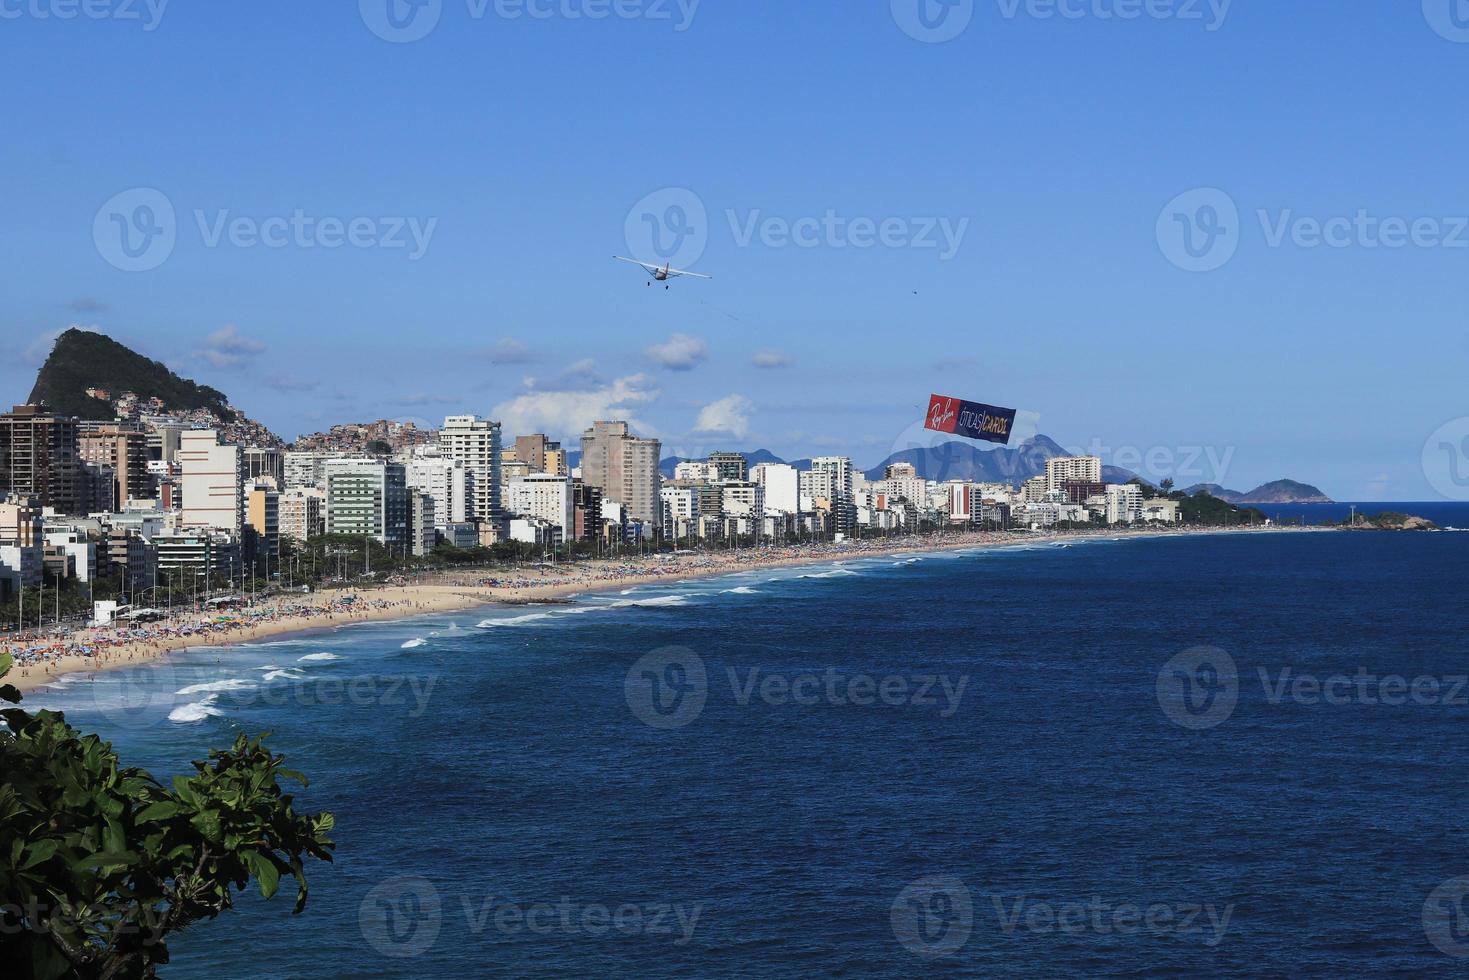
1008 266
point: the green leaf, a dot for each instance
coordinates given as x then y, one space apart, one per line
40 851
157 811
264 871
104 859
5 662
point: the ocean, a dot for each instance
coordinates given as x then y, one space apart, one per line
1454 514
1214 755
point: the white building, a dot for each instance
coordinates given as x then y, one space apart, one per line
696 469
782 485
1062 470
545 496
743 499
1124 503
446 480
211 484
305 469
476 442
534 531
1162 509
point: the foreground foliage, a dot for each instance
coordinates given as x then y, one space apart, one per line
101 863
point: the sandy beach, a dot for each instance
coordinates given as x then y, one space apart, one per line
42 659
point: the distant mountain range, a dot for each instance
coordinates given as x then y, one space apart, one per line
952 461
1275 492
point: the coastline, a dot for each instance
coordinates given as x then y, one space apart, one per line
111 647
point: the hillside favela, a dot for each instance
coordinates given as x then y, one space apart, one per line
655 489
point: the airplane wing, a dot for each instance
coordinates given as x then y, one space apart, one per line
646 265
680 272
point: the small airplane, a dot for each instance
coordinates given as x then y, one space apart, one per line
661 273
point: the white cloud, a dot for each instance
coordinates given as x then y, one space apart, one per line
728 416
226 347
680 353
565 413
769 358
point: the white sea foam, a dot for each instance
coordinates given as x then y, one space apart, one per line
742 590
514 620
232 684
655 602
289 674
195 712
320 656
412 644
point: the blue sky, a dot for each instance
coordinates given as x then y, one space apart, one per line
520 149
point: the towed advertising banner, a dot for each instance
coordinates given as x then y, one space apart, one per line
971 420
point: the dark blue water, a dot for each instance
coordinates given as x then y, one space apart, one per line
1444 513
1098 797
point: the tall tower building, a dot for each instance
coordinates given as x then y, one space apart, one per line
38 457
476 443
211 482
625 467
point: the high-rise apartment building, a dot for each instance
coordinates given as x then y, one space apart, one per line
211 482
125 451
1061 470
625 467
729 466
367 498
263 520
38 457
545 496
446 480
475 442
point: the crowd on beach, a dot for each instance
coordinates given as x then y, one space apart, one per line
124 642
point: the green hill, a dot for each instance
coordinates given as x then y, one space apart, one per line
82 360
